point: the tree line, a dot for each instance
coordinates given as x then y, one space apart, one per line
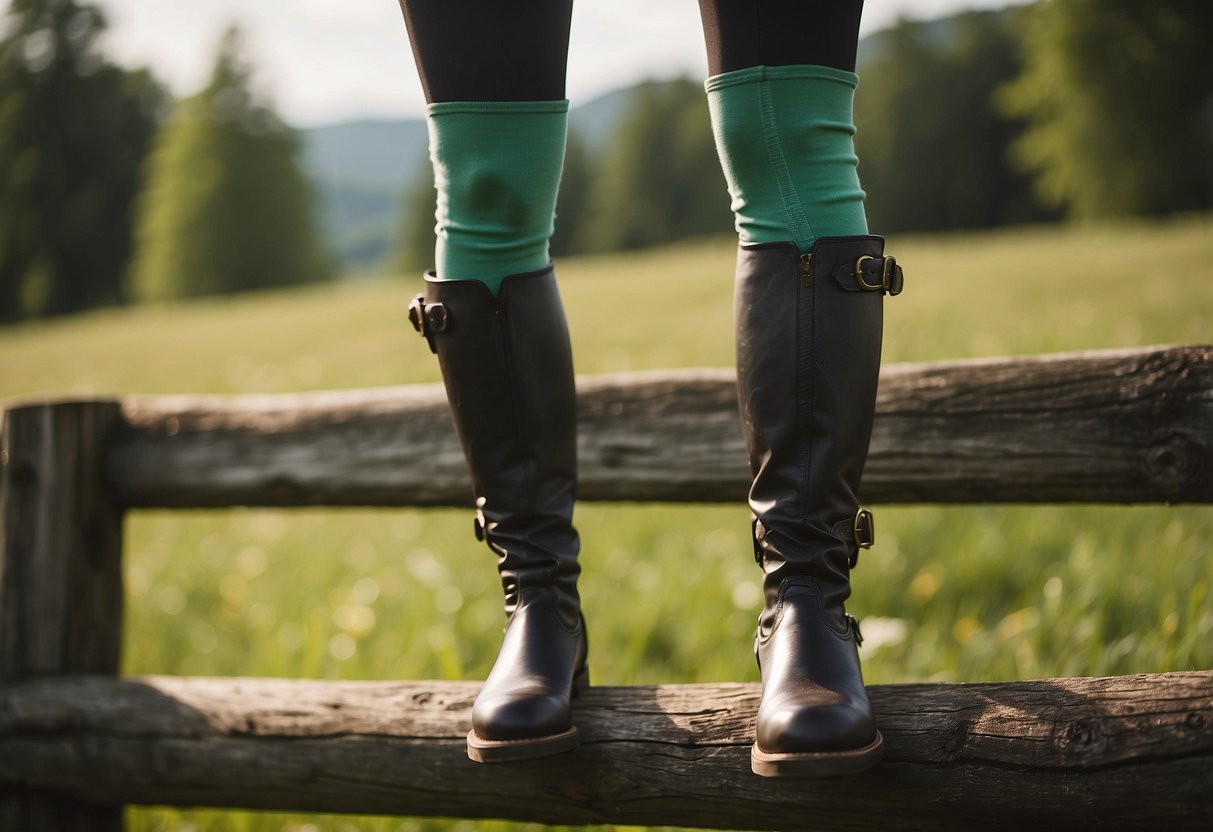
112 192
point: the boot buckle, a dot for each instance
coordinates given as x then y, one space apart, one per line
428 319
891 279
865 533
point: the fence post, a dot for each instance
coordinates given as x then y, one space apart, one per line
60 573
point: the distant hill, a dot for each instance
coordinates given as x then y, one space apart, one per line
359 170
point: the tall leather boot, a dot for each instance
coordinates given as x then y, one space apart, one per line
508 371
808 357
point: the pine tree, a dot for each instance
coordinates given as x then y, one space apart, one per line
227 207
74 131
1118 95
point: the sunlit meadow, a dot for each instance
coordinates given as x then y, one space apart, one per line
671 592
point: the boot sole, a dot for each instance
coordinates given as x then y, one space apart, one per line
816 763
481 750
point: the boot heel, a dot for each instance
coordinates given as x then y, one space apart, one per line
581 682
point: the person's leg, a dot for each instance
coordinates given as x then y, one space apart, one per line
808 307
744 33
494 77
493 73
780 95
487 50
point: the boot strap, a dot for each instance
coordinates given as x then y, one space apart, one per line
870 274
863 527
428 318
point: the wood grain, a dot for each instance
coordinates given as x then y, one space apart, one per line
60 573
1112 426
1126 752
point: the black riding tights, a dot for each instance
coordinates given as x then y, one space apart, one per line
491 50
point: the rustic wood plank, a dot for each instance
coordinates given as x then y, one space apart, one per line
60 573
1113 753
1113 426
61 532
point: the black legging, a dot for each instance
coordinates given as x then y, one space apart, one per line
493 50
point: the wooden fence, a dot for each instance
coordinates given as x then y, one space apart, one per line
77 741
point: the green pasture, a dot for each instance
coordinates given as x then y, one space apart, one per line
670 592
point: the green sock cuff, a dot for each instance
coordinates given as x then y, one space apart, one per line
497 107
785 139
497 170
755 74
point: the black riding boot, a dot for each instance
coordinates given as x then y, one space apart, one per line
508 371
808 357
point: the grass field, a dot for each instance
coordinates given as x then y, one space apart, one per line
671 593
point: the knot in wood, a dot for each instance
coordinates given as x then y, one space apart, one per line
1082 735
957 739
1178 463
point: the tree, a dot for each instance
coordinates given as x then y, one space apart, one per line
933 145
1119 96
414 248
226 207
573 201
661 180
74 131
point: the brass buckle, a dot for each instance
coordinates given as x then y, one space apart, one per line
865 529
863 284
889 281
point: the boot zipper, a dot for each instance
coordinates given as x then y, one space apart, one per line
806 270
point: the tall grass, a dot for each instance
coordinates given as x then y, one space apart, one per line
671 592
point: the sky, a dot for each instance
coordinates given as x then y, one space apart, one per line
323 61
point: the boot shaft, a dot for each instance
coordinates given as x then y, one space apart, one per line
808 360
508 371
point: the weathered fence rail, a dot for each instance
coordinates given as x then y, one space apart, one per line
1122 426
1127 752
1115 426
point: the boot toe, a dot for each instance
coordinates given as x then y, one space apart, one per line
521 716
793 729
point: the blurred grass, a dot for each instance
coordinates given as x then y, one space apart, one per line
671 592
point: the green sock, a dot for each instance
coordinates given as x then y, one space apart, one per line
784 135
497 169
